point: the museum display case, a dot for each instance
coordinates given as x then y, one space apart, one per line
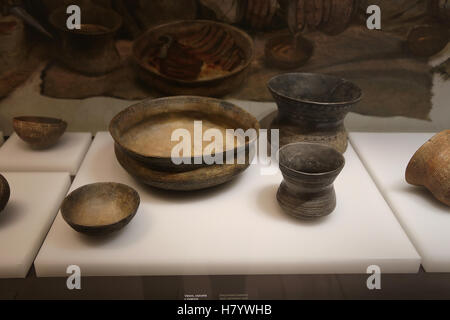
224 150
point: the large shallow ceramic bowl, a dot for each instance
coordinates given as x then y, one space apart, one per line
216 44
198 179
150 131
100 208
39 132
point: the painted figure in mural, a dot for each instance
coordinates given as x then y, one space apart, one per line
254 14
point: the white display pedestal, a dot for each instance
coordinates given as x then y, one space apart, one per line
34 203
237 228
425 219
65 156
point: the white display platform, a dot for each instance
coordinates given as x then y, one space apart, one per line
65 156
425 219
34 203
237 228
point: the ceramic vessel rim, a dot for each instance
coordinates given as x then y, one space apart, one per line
47 121
316 145
175 98
117 26
340 103
428 26
99 184
203 81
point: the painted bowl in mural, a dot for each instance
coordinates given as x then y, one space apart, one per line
287 52
312 108
427 40
90 50
194 57
169 134
39 132
100 208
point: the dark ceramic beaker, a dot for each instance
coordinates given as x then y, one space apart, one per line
90 50
309 171
312 108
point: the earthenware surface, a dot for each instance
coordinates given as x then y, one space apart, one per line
430 167
145 131
100 208
39 132
309 171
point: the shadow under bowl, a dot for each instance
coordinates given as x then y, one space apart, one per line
39 132
5 192
100 208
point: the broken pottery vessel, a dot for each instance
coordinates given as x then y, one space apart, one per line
430 167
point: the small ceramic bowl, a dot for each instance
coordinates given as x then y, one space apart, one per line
5 192
309 171
100 208
285 52
39 132
427 40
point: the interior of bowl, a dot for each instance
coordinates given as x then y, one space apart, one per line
310 158
155 127
101 204
40 120
145 48
315 88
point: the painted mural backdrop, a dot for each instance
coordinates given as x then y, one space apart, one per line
208 57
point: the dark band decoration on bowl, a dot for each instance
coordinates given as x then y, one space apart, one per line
143 138
193 57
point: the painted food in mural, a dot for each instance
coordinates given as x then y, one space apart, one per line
206 53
